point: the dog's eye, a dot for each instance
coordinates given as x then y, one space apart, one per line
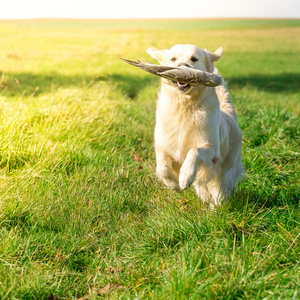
194 59
173 59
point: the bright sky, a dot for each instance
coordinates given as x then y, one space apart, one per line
98 9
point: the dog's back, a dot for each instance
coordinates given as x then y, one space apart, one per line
224 97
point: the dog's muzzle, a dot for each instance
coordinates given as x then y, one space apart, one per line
182 86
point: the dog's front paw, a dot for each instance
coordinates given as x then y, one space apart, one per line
172 184
187 176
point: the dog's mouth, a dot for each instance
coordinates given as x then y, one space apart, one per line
182 86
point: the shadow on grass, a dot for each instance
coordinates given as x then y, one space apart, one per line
133 85
284 82
271 197
26 84
14 84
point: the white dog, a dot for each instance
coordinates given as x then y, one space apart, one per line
197 137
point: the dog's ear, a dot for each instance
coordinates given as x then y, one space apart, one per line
157 54
212 57
217 54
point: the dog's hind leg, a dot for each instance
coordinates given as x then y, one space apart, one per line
165 171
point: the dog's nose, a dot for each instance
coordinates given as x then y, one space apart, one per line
183 64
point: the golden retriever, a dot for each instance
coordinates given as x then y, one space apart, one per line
197 137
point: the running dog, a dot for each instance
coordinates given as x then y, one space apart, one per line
197 137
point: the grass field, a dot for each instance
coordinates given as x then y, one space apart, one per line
82 214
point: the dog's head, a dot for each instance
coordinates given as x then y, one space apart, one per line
189 56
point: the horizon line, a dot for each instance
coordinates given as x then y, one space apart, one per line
146 18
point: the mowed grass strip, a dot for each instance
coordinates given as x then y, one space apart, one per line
83 215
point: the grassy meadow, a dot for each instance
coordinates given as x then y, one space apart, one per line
82 214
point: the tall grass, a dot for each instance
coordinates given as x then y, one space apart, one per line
82 214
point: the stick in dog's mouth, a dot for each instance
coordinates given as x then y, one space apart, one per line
182 76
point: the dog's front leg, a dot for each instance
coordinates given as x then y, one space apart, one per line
165 171
204 156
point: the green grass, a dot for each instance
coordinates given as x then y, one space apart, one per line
82 214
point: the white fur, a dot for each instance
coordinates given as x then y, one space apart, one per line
197 137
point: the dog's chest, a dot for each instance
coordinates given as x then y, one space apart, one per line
177 134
